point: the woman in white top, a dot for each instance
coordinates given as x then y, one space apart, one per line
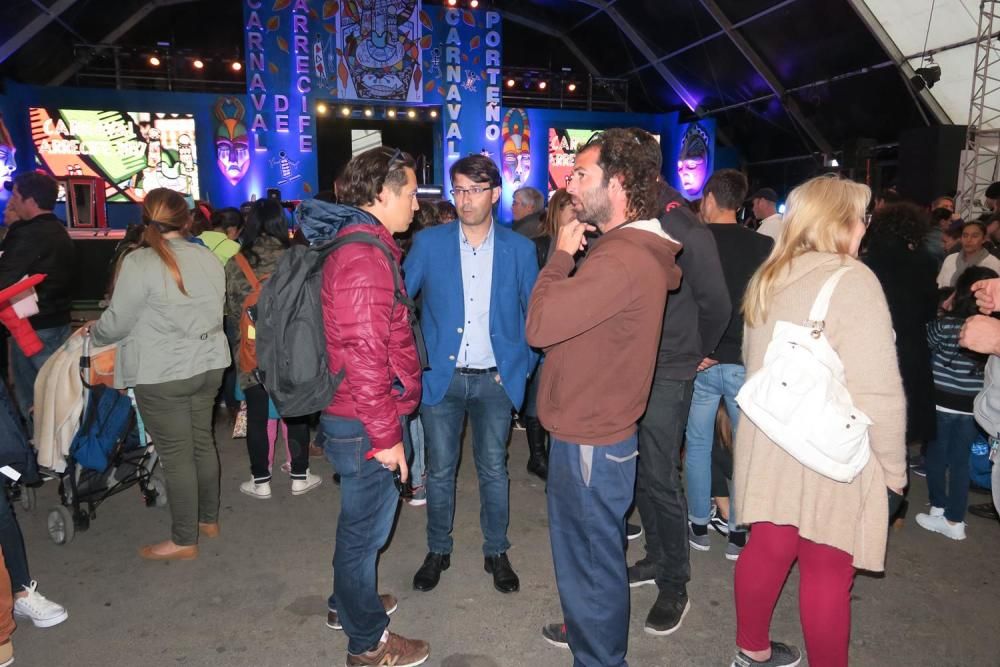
972 254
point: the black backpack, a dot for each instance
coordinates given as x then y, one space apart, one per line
291 342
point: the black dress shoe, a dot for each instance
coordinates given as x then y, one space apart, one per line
504 578
429 574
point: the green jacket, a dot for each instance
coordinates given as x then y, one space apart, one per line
164 335
221 245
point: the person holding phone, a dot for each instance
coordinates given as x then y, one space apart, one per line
369 338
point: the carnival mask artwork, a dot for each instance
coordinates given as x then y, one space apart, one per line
692 160
516 134
232 144
7 163
380 43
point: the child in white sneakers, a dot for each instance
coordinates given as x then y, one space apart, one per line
958 377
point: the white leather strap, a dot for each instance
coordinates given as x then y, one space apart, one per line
817 314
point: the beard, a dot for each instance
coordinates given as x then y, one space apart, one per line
593 207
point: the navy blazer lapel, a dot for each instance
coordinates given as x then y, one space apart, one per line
501 268
453 265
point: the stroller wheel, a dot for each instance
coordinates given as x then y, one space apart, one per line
60 524
159 487
28 498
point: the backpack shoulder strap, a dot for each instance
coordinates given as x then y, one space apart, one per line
248 273
817 314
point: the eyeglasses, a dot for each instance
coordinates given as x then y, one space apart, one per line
474 191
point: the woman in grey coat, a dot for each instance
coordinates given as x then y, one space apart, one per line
166 316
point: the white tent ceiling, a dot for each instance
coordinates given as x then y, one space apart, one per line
951 21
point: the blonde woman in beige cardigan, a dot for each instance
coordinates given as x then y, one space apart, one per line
831 528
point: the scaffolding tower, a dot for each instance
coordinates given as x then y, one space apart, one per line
981 158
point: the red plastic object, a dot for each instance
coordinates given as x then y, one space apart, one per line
21 330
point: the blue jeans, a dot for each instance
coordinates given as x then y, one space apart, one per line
720 382
368 503
488 406
26 369
587 530
413 443
950 452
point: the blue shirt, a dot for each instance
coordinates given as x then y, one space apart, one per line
476 350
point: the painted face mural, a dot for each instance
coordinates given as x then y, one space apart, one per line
380 42
692 160
232 145
7 163
516 135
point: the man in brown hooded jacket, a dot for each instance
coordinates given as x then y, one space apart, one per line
600 328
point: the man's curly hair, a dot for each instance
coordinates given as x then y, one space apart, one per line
901 221
632 154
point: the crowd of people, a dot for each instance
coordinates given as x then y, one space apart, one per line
618 325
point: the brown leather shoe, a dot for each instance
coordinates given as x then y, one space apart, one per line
168 551
208 529
389 603
396 651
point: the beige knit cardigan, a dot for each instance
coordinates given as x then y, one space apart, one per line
772 486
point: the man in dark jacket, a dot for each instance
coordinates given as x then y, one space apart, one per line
38 243
368 336
696 317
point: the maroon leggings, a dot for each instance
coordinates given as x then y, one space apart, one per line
825 578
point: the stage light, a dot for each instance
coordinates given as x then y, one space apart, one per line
237 65
542 85
473 3
391 113
511 83
452 3
571 87
369 113
198 64
154 61
411 114
345 111
321 108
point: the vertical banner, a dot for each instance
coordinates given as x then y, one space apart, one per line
462 64
286 61
8 164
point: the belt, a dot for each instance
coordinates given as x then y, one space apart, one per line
476 371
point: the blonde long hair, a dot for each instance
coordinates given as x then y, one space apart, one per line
819 217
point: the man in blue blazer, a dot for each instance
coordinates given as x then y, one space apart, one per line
475 279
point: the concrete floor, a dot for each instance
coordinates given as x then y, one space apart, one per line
257 596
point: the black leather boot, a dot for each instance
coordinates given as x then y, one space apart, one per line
538 462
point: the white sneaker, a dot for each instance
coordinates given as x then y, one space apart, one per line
938 524
300 486
255 490
936 511
44 613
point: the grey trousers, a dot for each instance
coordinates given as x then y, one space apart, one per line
178 417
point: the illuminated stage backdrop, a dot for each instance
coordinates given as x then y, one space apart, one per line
394 53
132 152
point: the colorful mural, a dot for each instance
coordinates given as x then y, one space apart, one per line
8 165
132 152
516 134
694 159
378 47
232 145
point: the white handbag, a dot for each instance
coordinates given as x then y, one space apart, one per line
799 398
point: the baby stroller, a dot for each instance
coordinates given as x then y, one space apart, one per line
109 453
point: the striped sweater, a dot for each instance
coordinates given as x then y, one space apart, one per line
958 376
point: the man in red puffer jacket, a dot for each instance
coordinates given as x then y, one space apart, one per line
368 335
